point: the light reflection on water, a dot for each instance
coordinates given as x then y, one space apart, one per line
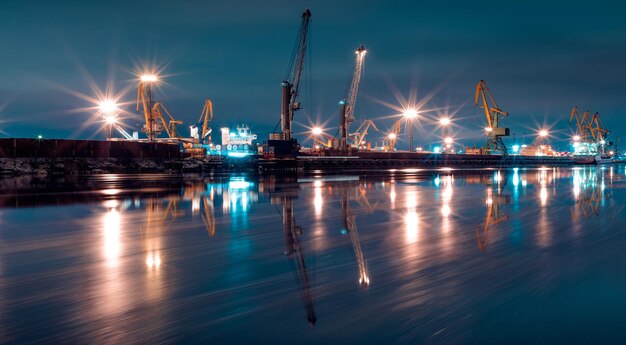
411 255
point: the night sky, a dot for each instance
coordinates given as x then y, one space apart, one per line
538 58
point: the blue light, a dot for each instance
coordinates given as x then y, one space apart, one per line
516 148
238 154
437 149
239 184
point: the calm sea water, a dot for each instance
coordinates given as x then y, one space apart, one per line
407 256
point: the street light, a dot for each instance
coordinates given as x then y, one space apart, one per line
445 122
316 131
410 114
108 108
577 138
543 133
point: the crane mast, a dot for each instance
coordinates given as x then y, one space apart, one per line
154 111
346 111
145 95
205 117
494 114
291 83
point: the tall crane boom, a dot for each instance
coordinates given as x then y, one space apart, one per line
358 137
347 104
291 83
494 114
145 95
153 110
205 117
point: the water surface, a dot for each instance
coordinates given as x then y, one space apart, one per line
407 256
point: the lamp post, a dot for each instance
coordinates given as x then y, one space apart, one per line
409 115
108 109
543 134
444 122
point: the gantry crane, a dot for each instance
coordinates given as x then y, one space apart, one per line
346 111
358 137
494 114
291 83
153 111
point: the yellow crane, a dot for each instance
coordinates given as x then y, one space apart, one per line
494 115
154 111
358 137
590 128
389 143
205 116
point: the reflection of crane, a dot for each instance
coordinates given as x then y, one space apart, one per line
358 137
494 115
349 223
153 111
291 83
493 217
293 250
346 111
208 217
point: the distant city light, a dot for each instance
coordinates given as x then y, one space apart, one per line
40 136
602 142
576 137
437 149
392 136
444 121
448 140
516 148
316 131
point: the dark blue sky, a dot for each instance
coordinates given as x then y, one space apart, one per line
539 59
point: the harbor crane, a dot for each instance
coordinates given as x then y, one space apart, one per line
494 116
291 83
346 111
202 131
589 127
154 111
389 143
358 137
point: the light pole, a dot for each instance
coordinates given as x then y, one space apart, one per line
410 114
108 109
444 122
543 134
